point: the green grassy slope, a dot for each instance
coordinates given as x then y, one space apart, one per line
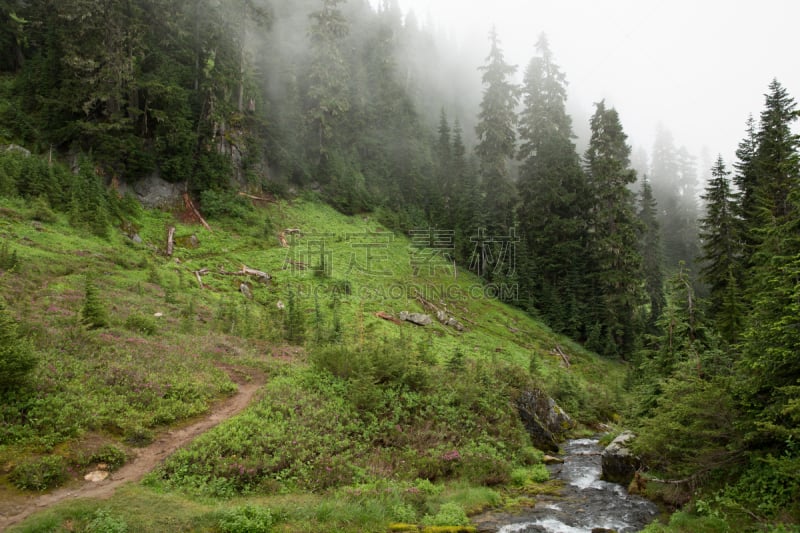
353 421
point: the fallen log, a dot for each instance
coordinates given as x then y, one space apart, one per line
261 198
189 205
386 316
564 357
282 239
257 273
263 277
170 240
198 274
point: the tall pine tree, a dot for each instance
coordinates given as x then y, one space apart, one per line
650 248
614 231
770 364
721 249
328 97
497 137
554 205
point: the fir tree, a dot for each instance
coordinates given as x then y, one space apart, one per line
614 229
746 181
468 216
650 249
93 314
674 183
770 368
554 206
17 357
721 247
295 320
776 163
497 137
328 95
8 257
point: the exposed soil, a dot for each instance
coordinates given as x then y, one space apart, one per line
15 510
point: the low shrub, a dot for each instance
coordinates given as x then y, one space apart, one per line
40 474
449 514
247 519
110 455
217 204
141 324
138 436
534 474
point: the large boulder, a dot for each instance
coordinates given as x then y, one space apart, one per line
156 193
545 421
15 148
416 318
619 463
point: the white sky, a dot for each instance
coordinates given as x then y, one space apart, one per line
699 67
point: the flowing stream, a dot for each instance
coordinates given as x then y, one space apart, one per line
586 502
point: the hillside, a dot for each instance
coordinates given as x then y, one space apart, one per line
362 421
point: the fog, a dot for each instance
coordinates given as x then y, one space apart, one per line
697 68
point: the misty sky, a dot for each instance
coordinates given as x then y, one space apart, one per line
697 66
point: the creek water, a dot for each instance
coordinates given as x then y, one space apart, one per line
586 502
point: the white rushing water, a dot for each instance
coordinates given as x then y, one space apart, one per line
587 501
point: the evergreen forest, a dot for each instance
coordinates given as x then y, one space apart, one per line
674 289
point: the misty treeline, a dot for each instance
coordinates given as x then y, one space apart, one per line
360 105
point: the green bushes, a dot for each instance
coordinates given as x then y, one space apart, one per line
40 474
449 514
217 204
8 257
110 455
141 324
534 474
355 415
247 519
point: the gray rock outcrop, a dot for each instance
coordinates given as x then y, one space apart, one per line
619 462
416 318
545 421
155 193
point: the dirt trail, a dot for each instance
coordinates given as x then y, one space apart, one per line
146 459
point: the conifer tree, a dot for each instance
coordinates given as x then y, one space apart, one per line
674 181
770 368
93 313
17 357
614 229
497 137
650 249
776 163
721 249
467 212
554 206
444 171
328 95
746 181
295 321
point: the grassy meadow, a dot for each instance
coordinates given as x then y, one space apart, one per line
363 422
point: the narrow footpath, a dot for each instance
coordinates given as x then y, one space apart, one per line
146 459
